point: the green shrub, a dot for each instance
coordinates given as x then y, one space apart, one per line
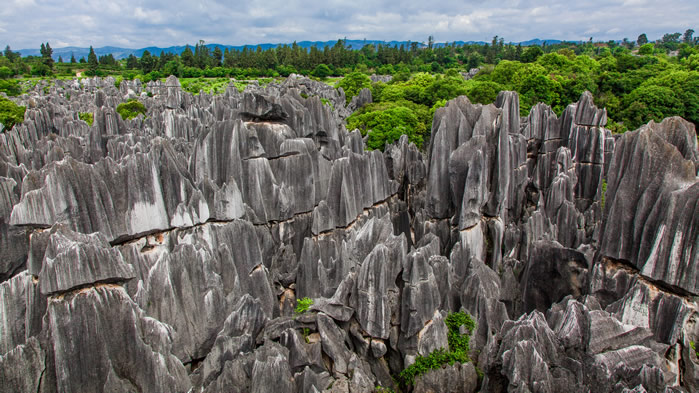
5 72
387 126
458 342
458 349
484 92
321 71
303 304
353 83
646 49
10 87
10 113
87 117
131 109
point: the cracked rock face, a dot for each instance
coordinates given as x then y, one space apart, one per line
168 252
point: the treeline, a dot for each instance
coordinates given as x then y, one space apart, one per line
635 85
336 60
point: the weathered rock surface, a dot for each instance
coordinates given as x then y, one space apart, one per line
666 200
167 252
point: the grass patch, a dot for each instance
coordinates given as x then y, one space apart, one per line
207 85
458 349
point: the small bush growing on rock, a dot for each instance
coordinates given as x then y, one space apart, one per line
458 349
131 109
303 304
327 102
87 117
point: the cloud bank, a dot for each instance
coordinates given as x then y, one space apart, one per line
141 23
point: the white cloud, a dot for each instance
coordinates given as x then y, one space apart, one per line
176 22
148 16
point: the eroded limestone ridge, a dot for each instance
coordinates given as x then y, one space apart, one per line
167 252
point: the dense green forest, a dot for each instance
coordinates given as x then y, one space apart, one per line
636 81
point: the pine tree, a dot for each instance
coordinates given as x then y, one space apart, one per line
92 62
147 62
217 54
46 55
131 62
72 58
188 57
11 56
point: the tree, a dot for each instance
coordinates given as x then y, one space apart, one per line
321 71
72 58
188 57
484 92
11 56
651 102
687 37
60 59
92 62
531 54
671 41
387 125
46 55
217 55
131 62
147 62
642 39
646 49
353 83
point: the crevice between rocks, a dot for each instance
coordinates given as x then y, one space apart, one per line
657 284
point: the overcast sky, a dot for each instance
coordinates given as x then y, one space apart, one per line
140 23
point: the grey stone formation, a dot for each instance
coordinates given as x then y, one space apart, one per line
168 252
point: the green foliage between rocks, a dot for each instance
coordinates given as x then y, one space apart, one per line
458 349
604 193
353 83
303 304
10 113
385 123
131 109
87 117
327 102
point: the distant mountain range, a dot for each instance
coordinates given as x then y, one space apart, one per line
120 53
